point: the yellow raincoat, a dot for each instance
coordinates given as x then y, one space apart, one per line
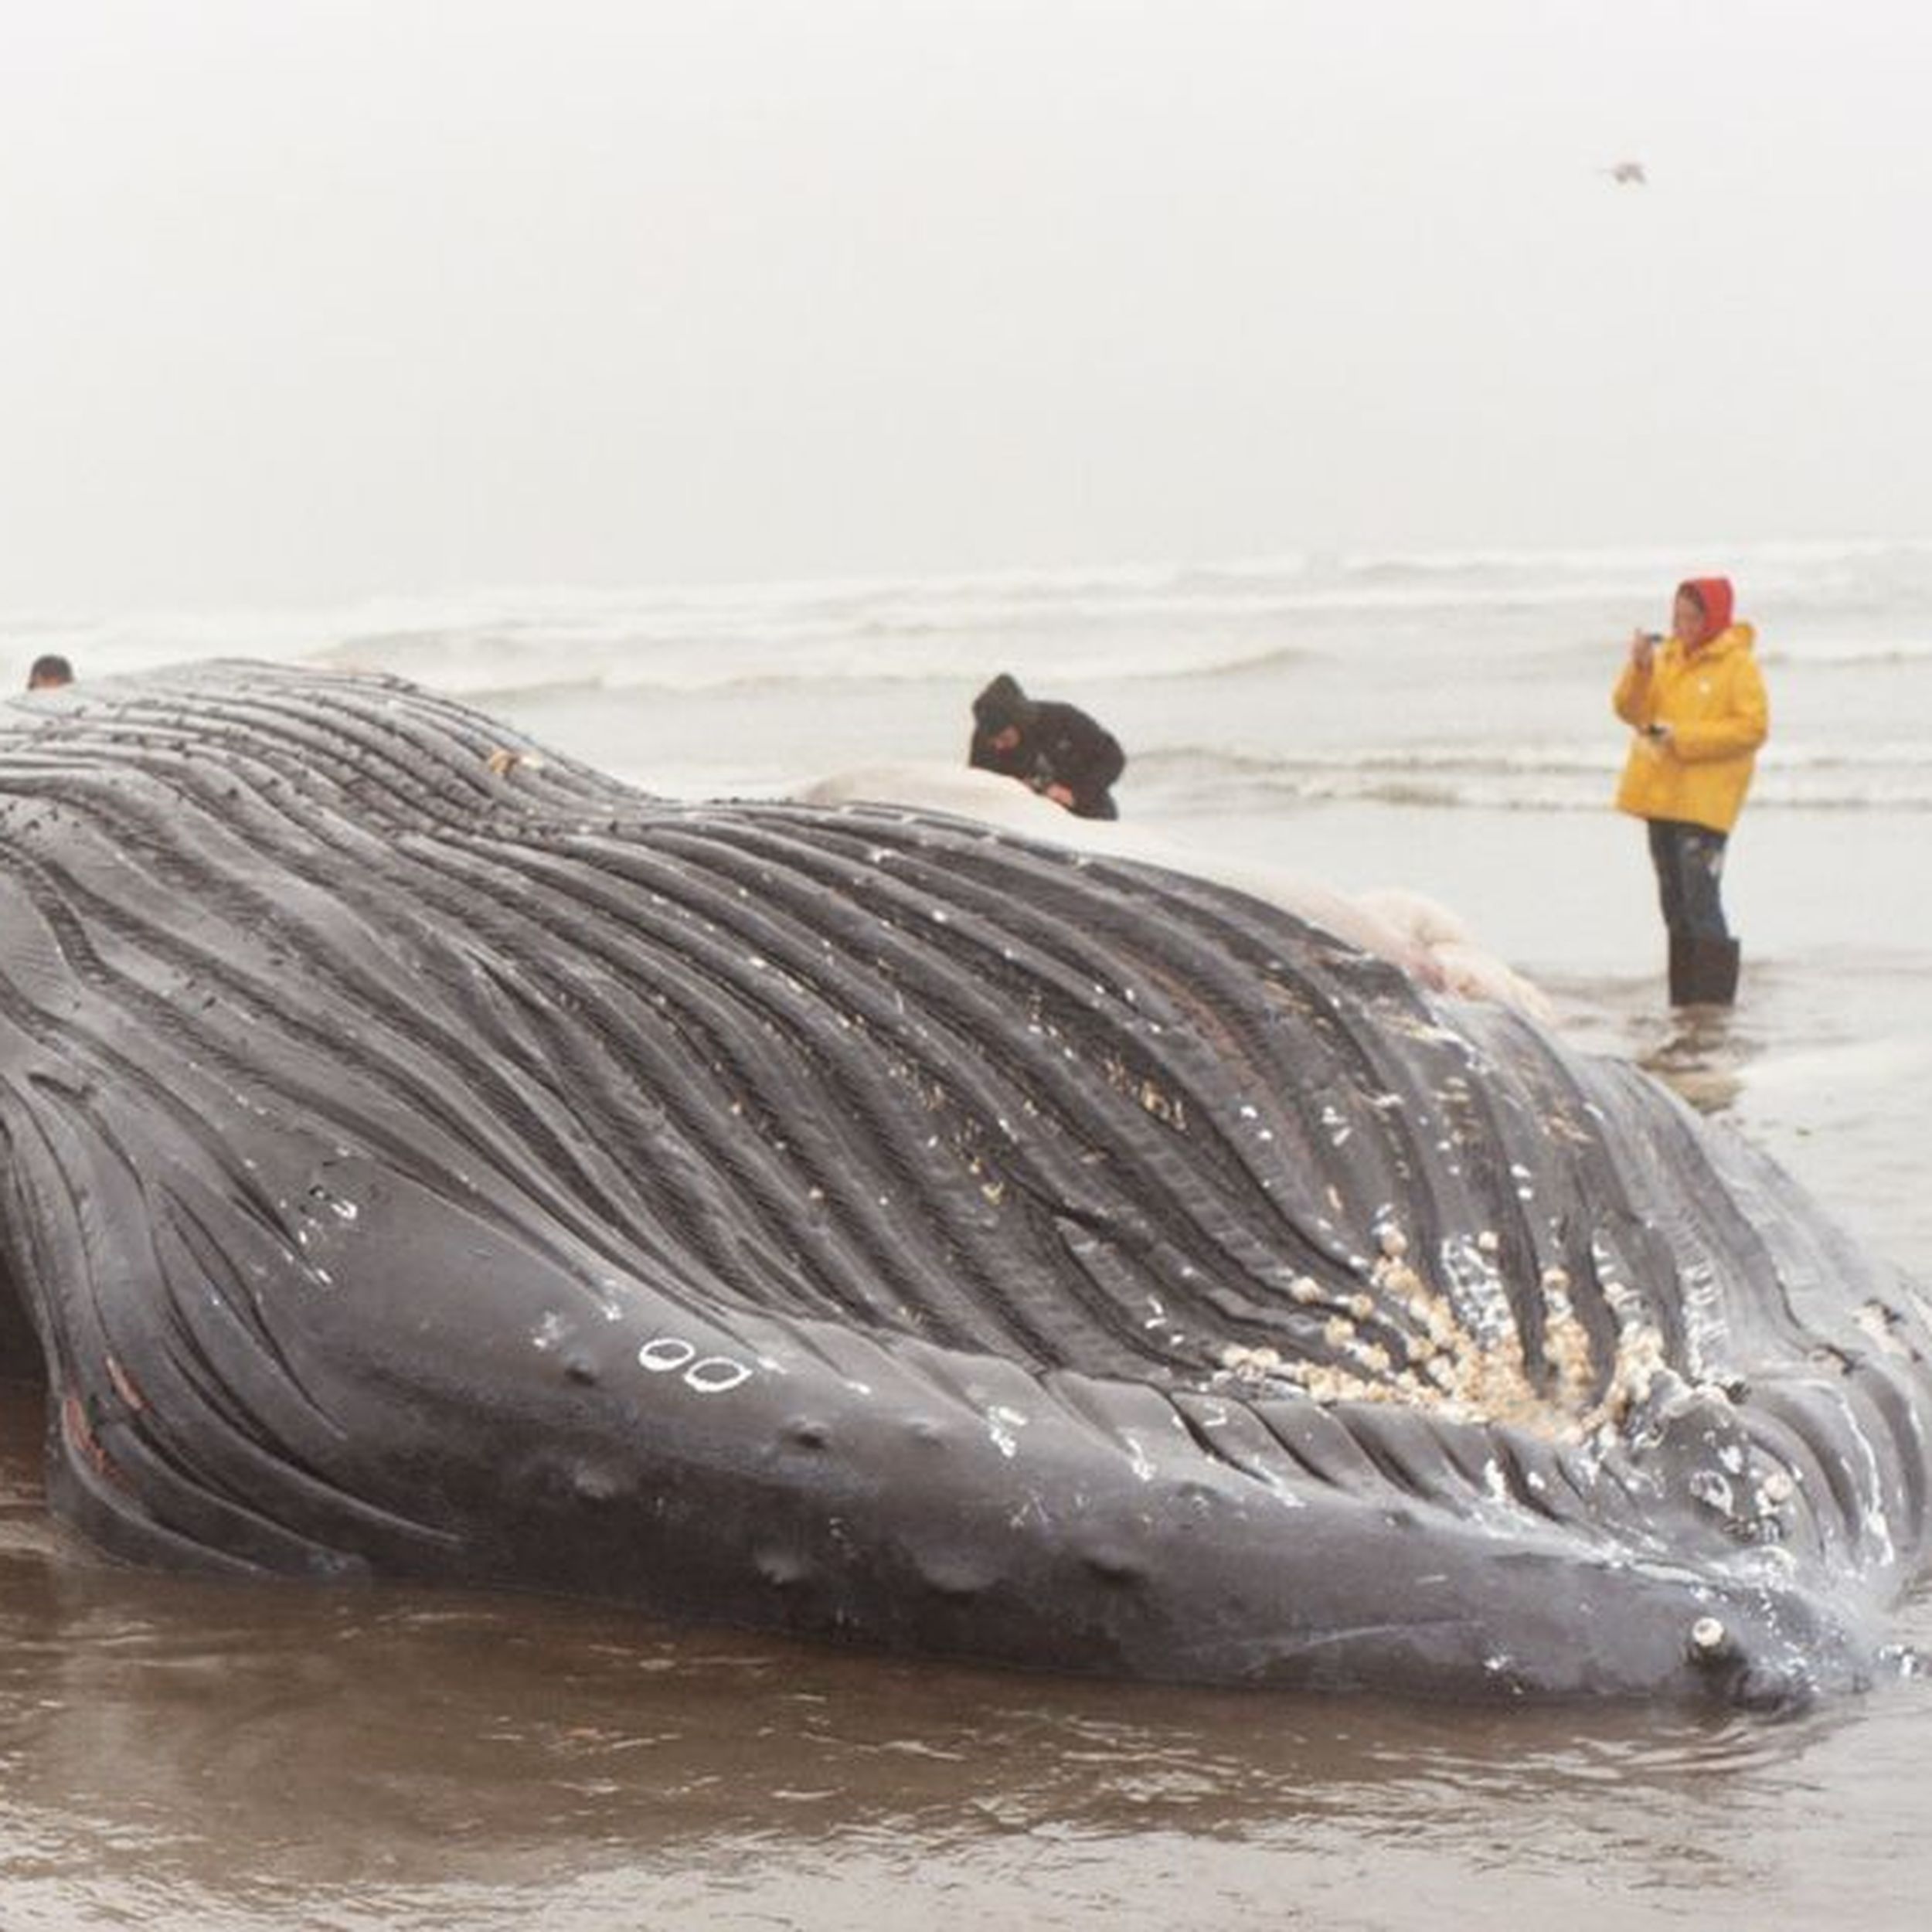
1713 700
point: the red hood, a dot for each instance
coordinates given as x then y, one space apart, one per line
1715 594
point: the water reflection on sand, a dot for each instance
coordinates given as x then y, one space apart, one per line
228 1754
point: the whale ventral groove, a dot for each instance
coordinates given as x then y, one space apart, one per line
427 1157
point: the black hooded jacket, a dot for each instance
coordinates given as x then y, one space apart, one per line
1059 744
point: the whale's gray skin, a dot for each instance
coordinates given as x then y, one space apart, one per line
427 1159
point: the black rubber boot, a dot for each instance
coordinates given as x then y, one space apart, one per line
1721 958
1703 972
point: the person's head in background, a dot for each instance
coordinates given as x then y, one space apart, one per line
49 673
1701 611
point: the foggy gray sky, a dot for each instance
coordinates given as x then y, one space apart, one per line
321 298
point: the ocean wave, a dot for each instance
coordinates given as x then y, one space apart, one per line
1849 655
1511 778
1847 606
1167 621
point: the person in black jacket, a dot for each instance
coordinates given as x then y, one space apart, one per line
1056 748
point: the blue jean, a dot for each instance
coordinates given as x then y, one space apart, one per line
1689 861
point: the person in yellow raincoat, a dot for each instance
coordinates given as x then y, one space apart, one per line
1696 701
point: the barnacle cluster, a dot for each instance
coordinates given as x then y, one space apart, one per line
1453 1346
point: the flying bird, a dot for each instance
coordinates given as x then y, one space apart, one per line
1625 172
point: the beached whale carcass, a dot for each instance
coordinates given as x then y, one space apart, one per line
426 1158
